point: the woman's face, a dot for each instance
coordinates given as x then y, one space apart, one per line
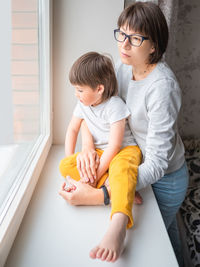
132 55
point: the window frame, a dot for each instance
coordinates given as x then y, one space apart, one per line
18 202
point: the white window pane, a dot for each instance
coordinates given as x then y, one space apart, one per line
21 96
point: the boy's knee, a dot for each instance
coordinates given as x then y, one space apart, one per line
63 166
66 164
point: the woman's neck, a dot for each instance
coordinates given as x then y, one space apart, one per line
141 72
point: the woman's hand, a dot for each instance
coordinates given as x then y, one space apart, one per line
78 193
87 164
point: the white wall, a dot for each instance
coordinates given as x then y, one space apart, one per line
79 26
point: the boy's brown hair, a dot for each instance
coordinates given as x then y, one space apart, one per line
93 69
147 19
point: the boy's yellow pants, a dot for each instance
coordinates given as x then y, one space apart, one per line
122 178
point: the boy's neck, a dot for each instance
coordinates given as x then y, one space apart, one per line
97 103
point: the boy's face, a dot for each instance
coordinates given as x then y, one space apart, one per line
89 96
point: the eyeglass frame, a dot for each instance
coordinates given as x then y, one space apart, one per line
128 36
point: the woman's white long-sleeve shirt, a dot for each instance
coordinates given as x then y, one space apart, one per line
154 103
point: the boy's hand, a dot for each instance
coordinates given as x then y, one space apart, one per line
87 164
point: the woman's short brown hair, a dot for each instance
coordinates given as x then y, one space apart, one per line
93 69
147 19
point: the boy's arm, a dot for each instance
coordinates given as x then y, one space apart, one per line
71 135
114 145
87 159
87 139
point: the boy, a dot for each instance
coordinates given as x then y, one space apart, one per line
105 114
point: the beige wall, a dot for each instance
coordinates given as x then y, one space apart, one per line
78 27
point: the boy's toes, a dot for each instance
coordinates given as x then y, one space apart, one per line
105 254
100 252
109 256
114 257
93 252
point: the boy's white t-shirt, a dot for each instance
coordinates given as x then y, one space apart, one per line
99 119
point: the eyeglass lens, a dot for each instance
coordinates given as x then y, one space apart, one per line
135 40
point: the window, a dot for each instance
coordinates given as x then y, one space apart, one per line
25 101
25 114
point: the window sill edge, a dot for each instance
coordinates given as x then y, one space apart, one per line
17 209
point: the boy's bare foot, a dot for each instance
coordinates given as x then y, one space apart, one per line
138 199
112 243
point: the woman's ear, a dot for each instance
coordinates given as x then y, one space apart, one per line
100 89
152 49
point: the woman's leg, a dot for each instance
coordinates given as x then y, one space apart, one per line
170 192
122 182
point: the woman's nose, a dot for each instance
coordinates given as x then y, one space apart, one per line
126 43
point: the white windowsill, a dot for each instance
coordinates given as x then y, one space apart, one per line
54 233
17 207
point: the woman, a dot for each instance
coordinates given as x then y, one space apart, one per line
153 96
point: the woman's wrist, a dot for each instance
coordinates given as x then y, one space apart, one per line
100 196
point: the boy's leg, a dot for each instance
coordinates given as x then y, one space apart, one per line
122 179
68 167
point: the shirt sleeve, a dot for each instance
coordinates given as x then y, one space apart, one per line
117 110
77 111
163 102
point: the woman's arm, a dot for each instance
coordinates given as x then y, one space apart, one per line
114 145
71 135
163 102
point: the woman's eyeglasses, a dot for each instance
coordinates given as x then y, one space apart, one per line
134 39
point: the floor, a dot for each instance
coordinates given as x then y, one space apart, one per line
55 234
